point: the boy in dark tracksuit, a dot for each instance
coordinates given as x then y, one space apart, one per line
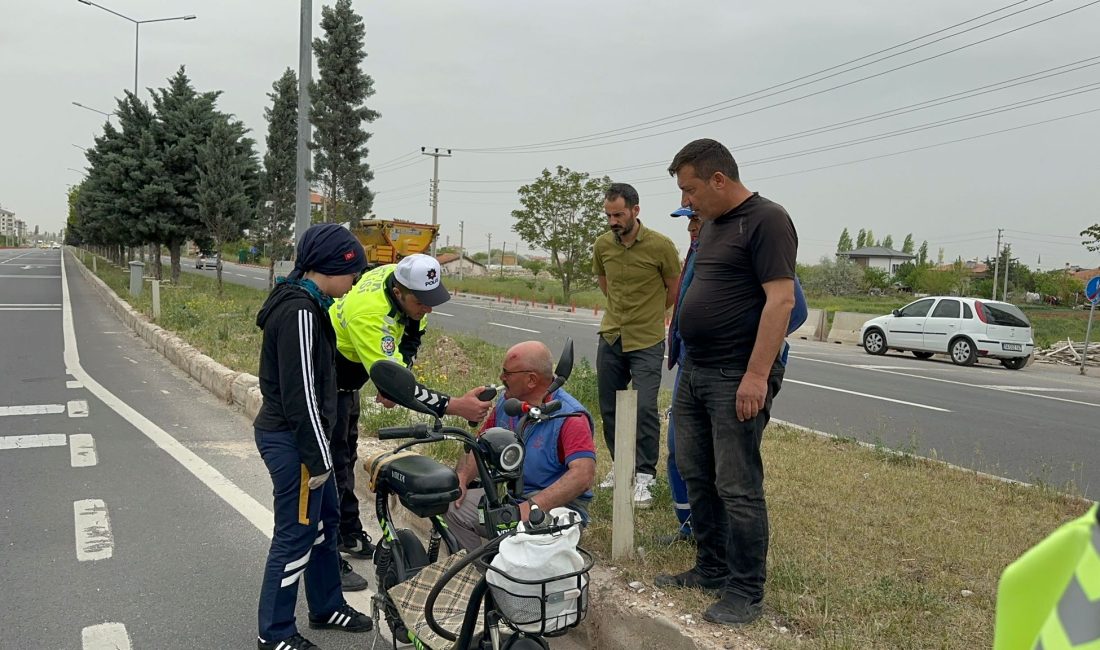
293 428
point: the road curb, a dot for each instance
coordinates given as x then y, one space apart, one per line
237 388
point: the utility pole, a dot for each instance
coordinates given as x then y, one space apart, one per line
997 263
1008 265
305 75
437 154
503 247
489 260
461 247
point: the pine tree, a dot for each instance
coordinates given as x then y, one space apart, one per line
280 171
861 238
888 241
907 246
228 183
845 243
185 120
338 111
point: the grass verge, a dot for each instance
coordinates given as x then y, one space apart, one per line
868 548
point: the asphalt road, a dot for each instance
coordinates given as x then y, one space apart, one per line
1036 424
136 510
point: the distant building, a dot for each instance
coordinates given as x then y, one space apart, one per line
453 264
878 257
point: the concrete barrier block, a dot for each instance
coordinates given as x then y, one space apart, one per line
241 385
846 327
814 327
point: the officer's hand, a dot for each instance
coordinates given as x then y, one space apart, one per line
317 481
469 407
385 402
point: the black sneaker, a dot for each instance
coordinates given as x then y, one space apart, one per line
357 544
296 642
691 579
346 619
349 579
733 610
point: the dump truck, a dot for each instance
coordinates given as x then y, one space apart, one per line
388 240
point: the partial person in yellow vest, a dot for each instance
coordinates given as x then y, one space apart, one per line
1049 599
382 317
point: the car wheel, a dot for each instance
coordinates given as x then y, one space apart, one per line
962 352
874 342
922 355
1015 363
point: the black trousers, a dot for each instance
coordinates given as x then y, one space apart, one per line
344 447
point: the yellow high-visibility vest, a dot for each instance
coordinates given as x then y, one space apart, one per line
1049 599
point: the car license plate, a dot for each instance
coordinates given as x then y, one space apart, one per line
1012 347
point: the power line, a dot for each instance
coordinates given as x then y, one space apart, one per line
411 163
392 161
786 101
925 147
665 120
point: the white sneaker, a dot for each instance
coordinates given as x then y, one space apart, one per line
643 498
608 481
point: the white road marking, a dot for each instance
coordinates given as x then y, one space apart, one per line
30 304
513 327
31 441
78 408
30 309
31 277
1033 389
82 450
72 383
436 312
105 636
952 381
868 395
251 509
129 359
93 530
15 258
32 409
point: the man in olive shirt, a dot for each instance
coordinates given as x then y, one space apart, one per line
733 319
637 269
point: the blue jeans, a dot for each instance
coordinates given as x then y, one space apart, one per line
719 458
680 504
304 542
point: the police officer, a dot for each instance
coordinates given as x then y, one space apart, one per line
382 317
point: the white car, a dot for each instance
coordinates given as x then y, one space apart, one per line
963 328
208 261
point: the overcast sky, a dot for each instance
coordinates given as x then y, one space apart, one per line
501 73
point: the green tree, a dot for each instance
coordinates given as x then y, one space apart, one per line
845 243
338 111
888 241
922 254
907 246
280 170
1092 237
72 222
185 120
534 266
563 215
870 240
861 238
874 278
228 184
838 277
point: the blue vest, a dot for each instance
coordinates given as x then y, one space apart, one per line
541 466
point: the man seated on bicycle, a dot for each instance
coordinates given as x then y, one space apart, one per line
560 464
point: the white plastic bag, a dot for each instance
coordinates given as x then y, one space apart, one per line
540 557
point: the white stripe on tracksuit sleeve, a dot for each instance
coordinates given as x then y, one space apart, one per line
305 343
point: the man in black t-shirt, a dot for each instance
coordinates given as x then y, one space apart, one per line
733 320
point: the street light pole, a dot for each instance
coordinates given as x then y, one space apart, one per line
302 216
137 30
94 110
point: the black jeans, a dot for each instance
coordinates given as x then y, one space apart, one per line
719 459
614 370
345 451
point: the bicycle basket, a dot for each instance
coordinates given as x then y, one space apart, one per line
544 606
